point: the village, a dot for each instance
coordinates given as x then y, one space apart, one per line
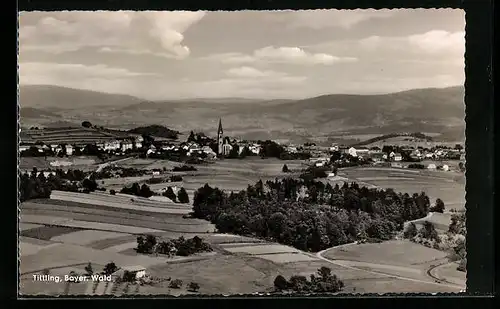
199 148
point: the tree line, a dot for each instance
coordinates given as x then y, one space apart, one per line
308 214
35 185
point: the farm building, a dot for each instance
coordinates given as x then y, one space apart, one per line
138 271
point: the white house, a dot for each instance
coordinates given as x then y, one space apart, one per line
226 148
23 147
334 147
398 157
255 148
319 164
69 150
446 168
392 154
112 145
138 141
431 166
352 152
138 271
156 173
127 145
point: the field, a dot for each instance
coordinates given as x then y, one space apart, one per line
398 258
72 229
448 186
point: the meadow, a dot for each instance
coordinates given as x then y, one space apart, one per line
448 186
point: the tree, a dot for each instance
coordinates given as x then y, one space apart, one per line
193 287
183 196
280 283
110 268
89 269
411 231
86 124
191 137
112 192
234 153
170 194
439 207
285 169
90 185
128 276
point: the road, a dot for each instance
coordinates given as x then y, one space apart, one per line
362 265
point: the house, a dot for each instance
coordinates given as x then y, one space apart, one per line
138 271
156 173
431 166
69 150
362 151
112 145
226 148
319 164
462 157
446 168
23 148
126 145
384 156
255 149
334 147
138 141
398 157
352 152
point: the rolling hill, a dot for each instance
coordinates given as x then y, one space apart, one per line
319 119
46 96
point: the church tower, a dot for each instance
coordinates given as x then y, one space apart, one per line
220 139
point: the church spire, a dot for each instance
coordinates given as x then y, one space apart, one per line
220 131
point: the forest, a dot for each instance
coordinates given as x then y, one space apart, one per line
308 214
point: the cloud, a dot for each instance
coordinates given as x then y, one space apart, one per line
118 31
321 19
252 72
437 41
58 73
431 42
288 55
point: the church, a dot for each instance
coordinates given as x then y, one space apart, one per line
224 147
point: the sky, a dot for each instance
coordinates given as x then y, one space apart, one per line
244 54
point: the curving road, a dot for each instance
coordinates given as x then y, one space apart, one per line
352 264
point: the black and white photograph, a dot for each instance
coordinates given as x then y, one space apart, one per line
288 152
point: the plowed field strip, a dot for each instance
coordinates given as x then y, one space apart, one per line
109 213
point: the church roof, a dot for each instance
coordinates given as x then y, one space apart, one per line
219 130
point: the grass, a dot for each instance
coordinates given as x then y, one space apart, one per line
110 202
281 258
48 232
28 226
262 249
80 225
85 237
393 252
436 184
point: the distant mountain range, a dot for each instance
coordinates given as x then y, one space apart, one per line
321 119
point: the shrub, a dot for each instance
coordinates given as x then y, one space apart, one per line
280 283
112 192
184 168
193 287
175 284
110 268
183 196
285 169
